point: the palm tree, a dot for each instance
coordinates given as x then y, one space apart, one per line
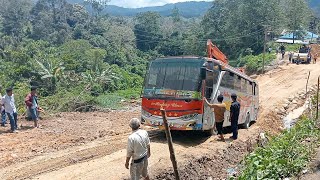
50 69
101 77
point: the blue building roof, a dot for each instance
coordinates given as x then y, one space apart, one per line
308 35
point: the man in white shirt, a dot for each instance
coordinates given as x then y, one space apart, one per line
10 108
139 150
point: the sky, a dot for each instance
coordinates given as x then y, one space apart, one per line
145 3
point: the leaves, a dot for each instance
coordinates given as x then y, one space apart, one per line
285 155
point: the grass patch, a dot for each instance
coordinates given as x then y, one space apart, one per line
129 93
110 101
285 155
254 64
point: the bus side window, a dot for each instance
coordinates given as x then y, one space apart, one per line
209 83
243 85
249 87
227 80
256 89
237 83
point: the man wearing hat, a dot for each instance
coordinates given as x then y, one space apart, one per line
138 149
234 116
10 108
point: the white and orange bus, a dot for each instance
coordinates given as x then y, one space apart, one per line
179 85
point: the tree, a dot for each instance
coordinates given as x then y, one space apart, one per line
50 69
147 31
15 14
236 25
97 5
50 21
297 21
176 14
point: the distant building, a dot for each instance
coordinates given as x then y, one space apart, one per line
300 37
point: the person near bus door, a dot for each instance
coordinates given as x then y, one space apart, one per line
218 110
234 116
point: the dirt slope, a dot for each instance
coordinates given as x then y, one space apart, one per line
101 151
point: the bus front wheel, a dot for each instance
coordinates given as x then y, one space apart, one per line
210 132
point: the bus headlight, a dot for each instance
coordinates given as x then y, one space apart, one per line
189 116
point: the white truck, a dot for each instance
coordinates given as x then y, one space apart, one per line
303 56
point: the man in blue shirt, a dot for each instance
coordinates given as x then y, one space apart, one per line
234 116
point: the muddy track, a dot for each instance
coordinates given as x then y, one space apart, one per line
199 157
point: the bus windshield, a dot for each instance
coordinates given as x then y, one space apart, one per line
179 78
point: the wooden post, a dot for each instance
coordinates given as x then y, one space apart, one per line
169 139
317 113
307 85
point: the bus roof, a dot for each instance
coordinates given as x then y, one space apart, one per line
223 65
179 57
231 69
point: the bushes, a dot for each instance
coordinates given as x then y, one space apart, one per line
253 63
285 156
69 100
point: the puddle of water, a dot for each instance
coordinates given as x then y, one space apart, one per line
294 115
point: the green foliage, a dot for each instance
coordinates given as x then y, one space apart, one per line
129 93
253 63
285 155
240 24
65 100
67 51
109 101
20 91
147 31
292 47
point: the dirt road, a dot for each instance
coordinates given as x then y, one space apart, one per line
92 145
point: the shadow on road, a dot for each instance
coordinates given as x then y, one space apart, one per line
185 138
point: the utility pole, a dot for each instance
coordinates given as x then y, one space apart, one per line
264 48
266 31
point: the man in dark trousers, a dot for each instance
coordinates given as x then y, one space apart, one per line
218 111
234 116
31 101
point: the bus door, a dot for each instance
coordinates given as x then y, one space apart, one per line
211 82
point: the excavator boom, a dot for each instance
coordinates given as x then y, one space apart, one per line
214 52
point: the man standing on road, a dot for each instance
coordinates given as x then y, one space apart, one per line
290 57
10 109
282 50
31 101
3 112
234 116
138 149
218 110
315 57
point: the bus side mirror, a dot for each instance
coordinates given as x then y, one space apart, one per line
203 73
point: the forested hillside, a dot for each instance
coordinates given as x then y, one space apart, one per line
187 9
75 56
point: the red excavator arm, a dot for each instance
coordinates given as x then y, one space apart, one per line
214 52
